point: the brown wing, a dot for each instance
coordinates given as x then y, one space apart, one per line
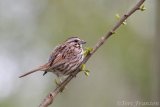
56 57
54 54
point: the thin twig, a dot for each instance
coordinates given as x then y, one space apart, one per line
51 96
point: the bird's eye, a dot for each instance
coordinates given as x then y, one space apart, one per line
75 40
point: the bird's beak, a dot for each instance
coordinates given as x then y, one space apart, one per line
83 42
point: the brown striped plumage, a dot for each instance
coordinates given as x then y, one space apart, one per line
64 59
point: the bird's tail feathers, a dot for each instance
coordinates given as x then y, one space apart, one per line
41 68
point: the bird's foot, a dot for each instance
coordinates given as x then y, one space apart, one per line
58 82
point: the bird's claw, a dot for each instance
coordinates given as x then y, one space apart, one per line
58 83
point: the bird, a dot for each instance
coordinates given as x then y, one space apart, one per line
64 59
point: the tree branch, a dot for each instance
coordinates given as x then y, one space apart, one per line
51 96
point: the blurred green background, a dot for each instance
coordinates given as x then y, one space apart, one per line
124 69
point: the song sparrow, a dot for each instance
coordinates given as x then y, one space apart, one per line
64 59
